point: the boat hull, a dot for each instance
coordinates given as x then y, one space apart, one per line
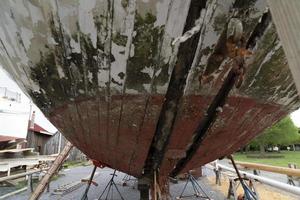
122 79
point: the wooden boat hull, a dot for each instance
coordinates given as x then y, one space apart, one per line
125 144
112 74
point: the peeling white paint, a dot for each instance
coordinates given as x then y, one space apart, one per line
60 71
86 21
26 35
188 34
208 39
265 60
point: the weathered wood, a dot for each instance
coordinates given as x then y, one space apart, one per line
101 71
286 17
6 164
16 150
11 177
54 167
269 168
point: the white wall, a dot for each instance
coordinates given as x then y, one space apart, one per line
14 116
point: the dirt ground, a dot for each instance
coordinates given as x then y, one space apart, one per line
265 192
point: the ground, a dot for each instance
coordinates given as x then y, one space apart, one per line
265 192
289 157
102 177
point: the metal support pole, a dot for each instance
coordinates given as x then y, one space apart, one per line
84 196
218 176
144 193
283 186
249 194
109 189
144 187
29 183
198 190
154 186
48 187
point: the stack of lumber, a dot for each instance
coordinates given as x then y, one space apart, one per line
12 144
12 156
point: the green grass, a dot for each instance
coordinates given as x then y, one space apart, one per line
289 157
70 164
21 184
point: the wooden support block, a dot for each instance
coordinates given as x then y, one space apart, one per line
87 181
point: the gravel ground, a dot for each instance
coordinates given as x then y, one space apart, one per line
102 177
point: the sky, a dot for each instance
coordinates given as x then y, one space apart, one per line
14 120
296 117
15 123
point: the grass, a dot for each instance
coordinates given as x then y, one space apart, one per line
21 184
289 157
70 164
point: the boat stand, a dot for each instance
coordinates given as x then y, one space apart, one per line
84 196
198 190
249 190
234 185
109 189
127 178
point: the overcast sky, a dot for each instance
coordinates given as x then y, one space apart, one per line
15 124
296 117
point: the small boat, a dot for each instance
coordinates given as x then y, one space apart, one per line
144 86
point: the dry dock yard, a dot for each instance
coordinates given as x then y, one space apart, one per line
69 186
160 90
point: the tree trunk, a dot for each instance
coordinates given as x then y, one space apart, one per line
247 148
262 149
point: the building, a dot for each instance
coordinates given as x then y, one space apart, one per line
47 143
38 137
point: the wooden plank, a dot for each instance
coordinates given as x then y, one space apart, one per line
269 168
16 150
20 175
6 164
54 167
139 118
286 17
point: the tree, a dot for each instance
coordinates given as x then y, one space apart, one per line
283 132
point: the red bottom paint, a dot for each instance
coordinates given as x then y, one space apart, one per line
119 133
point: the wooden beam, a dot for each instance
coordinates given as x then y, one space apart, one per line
16 150
54 167
286 17
269 168
15 176
8 163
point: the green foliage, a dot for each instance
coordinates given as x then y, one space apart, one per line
287 157
282 133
